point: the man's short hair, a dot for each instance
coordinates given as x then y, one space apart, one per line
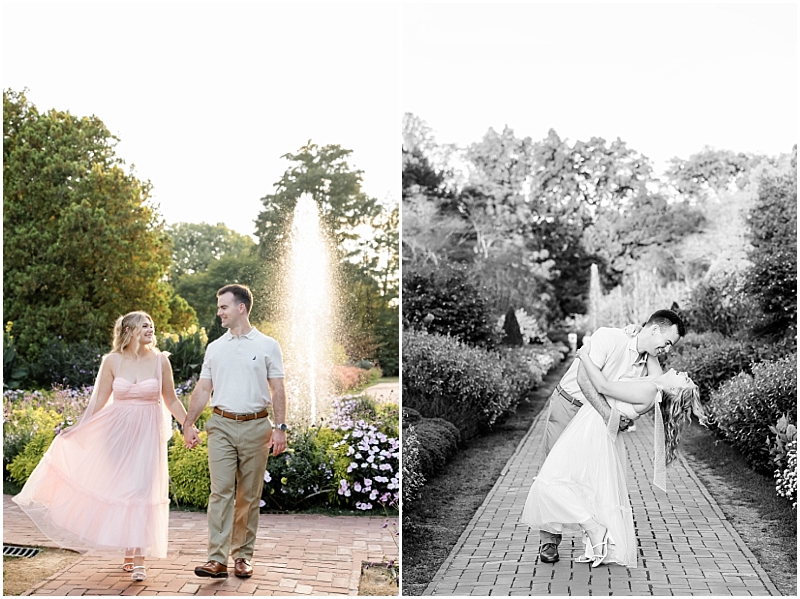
666 319
241 293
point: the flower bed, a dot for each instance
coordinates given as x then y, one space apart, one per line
352 460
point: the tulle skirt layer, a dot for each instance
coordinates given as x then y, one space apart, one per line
583 478
104 486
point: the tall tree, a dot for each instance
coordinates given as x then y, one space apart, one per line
196 245
773 235
325 174
81 243
709 170
364 232
646 235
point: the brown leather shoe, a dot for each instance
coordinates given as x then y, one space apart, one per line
212 569
242 568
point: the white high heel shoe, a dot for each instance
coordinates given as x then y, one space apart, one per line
139 573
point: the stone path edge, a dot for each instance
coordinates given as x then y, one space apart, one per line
730 528
479 512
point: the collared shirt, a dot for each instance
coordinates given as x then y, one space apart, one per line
615 354
239 368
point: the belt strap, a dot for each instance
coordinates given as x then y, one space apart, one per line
262 414
568 397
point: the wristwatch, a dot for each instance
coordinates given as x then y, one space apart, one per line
281 427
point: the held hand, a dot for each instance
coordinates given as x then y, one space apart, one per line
277 441
190 437
583 352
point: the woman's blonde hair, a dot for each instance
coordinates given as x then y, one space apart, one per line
677 406
127 327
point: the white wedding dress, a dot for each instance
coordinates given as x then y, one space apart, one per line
584 477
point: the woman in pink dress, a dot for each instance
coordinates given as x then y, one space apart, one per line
103 485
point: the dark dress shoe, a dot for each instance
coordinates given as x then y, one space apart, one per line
242 568
212 569
549 553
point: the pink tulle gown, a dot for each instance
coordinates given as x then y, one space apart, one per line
103 486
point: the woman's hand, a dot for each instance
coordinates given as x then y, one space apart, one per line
632 330
583 352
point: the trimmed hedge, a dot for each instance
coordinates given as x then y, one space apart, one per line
446 378
743 409
711 358
441 300
413 480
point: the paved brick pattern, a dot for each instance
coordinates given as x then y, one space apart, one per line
295 555
686 546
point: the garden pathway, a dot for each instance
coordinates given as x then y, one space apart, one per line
686 545
295 555
385 392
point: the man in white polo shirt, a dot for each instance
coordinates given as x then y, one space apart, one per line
244 369
618 356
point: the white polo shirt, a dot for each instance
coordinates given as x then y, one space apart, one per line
239 368
615 354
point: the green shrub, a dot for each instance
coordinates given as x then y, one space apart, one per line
73 364
711 359
446 378
302 475
438 443
744 408
188 471
24 463
719 305
442 301
186 353
413 479
15 369
21 423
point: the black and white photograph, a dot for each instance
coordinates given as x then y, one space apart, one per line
599 306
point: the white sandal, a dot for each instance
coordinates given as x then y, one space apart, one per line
139 573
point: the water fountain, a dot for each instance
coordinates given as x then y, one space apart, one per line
309 310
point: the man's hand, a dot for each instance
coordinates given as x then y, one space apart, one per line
190 437
277 442
624 423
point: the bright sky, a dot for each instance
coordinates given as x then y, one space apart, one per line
667 79
207 98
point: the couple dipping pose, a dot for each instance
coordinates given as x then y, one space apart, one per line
104 484
581 486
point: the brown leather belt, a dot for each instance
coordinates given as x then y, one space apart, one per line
262 414
568 397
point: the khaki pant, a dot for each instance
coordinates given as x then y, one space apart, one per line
237 460
560 413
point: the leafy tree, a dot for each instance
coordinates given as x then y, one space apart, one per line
196 245
710 169
325 174
644 236
81 243
773 236
200 288
365 233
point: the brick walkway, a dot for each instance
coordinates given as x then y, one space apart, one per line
686 545
295 555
